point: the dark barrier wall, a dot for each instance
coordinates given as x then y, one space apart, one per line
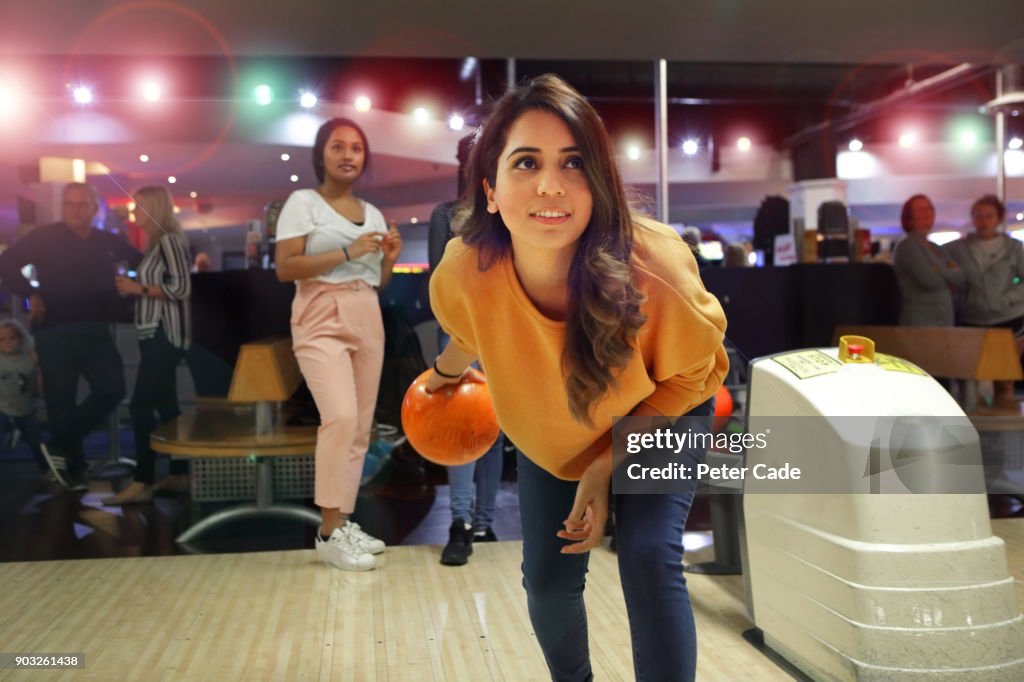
769 309
775 309
239 306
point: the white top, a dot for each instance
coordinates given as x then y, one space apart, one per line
987 250
307 214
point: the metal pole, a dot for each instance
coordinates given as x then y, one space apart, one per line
661 137
479 90
510 73
1000 142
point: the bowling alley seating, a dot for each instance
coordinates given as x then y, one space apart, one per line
241 447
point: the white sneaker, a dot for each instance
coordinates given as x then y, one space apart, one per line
373 545
57 464
345 551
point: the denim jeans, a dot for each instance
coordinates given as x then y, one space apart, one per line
486 472
649 539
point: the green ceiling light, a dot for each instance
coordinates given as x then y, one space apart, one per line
968 133
263 94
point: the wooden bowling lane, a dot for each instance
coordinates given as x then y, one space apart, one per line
285 616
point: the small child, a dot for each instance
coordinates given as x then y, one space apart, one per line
19 386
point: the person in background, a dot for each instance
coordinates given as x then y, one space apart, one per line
19 387
163 323
471 518
692 236
71 312
927 276
580 310
202 262
735 255
338 250
993 267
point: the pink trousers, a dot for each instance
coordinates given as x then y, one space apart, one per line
338 339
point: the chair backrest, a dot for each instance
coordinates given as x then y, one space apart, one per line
266 370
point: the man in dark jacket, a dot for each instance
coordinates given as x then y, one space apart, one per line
70 312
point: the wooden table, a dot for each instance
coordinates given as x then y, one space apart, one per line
223 437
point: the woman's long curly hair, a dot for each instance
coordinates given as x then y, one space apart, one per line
604 303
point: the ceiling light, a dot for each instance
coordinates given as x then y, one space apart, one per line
171 179
263 94
82 94
285 156
907 139
294 178
9 99
456 122
468 67
144 158
307 100
420 115
151 91
363 103
193 194
633 152
743 144
690 147
1015 143
855 145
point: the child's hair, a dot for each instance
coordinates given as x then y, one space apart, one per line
18 328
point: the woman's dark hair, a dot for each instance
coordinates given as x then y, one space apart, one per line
993 201
905 214
604 303
324 134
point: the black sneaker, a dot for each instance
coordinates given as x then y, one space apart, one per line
460 544
484 535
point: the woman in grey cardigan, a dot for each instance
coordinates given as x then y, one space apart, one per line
926 274
993 265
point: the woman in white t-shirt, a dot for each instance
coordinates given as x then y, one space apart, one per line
338 250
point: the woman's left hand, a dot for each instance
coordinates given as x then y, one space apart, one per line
127 286
589 513
391 245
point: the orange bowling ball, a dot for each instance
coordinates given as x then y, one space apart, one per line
723 408
455 424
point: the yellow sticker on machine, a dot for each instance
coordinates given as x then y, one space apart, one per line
891 363
808 363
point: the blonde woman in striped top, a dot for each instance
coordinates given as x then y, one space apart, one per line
162 288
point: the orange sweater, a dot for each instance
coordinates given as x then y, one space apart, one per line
678 364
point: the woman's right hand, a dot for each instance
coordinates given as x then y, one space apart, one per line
448 361
436 381
368 242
